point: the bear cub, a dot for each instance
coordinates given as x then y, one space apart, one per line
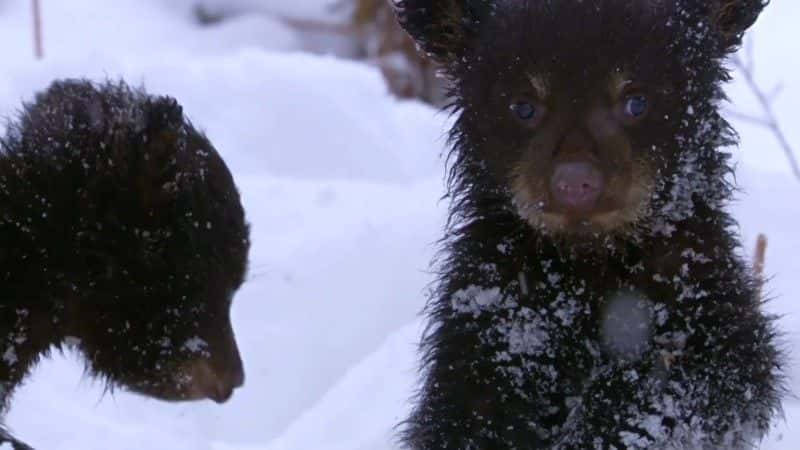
591 290
122 236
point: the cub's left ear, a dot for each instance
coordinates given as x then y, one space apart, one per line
732 18
442 28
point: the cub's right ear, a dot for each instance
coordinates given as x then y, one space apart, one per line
442 28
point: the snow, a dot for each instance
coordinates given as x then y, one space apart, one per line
341 183
627 325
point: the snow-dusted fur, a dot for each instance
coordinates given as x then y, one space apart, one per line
647 337
122 236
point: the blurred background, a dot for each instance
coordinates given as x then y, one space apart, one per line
330 122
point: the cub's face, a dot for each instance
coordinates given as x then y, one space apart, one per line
576 154
575 115
580 111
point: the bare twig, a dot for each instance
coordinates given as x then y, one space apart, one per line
769 120
759 260
37 30
760 121
760 257
775 92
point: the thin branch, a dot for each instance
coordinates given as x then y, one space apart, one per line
770 120
760 255
761 122
759 259
775 92
37 30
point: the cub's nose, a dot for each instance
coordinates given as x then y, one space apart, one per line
222 390
576 187
219 386
215 379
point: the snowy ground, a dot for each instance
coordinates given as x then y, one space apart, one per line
341 183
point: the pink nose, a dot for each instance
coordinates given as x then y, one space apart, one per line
576 186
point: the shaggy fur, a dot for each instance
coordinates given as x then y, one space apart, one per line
641 331
122 236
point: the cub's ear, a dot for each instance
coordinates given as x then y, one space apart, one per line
732 18
442 28
163 115
163 143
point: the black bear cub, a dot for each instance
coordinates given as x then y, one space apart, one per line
122 235
591 290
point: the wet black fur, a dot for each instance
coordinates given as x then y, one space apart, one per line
121 235
484 389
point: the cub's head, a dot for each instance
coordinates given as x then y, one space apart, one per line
155 243
593 116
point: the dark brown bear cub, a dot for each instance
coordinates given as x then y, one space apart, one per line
122 235
591 290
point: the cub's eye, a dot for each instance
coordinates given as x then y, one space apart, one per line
635 106
527 112
524 110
